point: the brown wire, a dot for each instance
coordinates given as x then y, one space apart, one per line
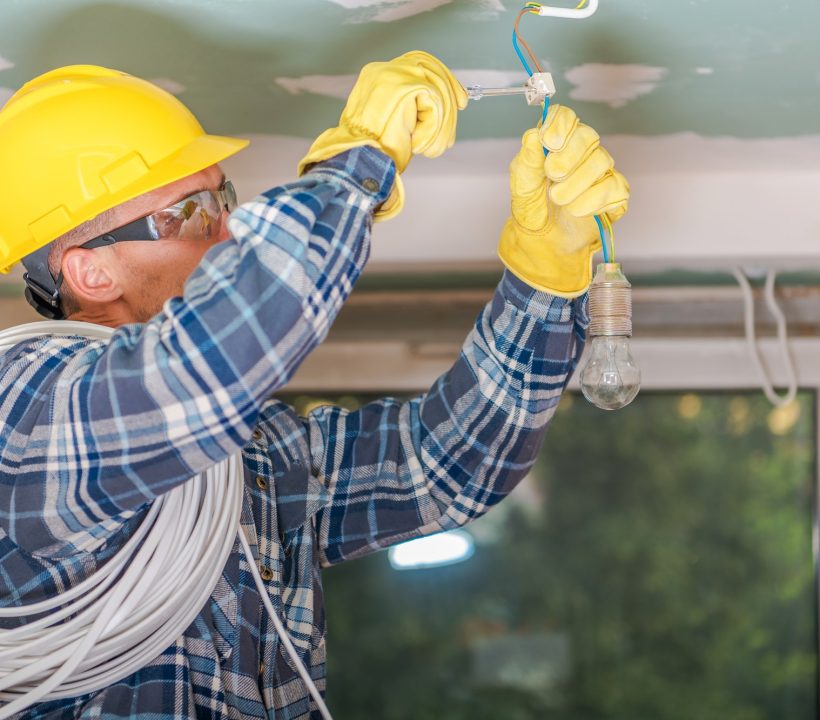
523 42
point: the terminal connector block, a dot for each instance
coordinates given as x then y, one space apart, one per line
538 88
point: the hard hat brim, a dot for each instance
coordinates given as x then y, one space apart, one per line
196 156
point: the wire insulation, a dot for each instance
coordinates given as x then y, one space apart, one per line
518 39
603 238
520 54
280 628
782 335
533 8
610 230
136 605
585 9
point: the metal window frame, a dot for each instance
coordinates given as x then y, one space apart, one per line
668 364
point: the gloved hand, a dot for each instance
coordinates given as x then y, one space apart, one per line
552 235
403 107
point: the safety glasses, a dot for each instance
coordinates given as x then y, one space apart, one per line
196 217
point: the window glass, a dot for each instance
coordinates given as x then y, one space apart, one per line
656 564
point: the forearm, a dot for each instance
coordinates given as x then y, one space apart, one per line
397 470
486 419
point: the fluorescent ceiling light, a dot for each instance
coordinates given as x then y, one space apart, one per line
433 551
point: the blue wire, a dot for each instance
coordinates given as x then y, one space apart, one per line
597 219
603 238
520 54
546 152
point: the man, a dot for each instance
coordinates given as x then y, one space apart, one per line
119 211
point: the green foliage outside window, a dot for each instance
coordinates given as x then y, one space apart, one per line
656 565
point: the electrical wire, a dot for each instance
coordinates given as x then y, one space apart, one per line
520 54
136 605
782 335
608 256
590 7
533 8
603 238
283 634
518 39
537 6
611 232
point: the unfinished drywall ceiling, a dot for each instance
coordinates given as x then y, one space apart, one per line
711 108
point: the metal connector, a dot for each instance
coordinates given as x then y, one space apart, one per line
538 88
610 303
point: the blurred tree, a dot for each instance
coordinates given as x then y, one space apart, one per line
656 565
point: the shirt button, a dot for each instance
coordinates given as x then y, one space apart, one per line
265 573
286 549
370 185
261 668
257 435
261 483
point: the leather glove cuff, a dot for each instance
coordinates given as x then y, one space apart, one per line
534 259
332 143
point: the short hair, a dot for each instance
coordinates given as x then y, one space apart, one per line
74 238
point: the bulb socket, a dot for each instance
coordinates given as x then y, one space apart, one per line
610 303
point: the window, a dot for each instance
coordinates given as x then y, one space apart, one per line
656 564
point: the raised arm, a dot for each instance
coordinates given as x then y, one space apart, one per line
398 470
92 432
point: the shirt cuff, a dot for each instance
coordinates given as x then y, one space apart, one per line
369 171
541 305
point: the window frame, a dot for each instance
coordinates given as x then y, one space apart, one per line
668 364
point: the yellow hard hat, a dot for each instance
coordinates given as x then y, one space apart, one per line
80 140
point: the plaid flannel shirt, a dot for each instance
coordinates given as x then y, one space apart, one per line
92 433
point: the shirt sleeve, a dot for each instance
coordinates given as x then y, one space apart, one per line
398 470
92 432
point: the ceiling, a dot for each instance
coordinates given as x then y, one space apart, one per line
641 67
711 108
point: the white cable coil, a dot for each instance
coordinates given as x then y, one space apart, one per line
126 613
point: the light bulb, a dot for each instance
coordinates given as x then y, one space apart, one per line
610 377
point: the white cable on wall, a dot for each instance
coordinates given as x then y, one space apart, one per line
125 614
782 334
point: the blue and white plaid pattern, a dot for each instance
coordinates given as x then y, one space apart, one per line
92 433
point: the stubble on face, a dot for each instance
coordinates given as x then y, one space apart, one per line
152 272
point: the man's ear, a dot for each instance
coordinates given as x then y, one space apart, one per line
89 275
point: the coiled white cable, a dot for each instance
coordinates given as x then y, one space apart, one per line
135 606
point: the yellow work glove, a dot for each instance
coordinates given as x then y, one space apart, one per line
404 107
552 235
